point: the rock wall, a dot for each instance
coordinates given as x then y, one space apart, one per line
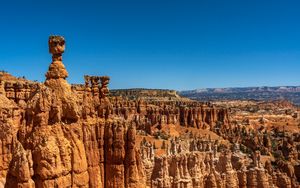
186 114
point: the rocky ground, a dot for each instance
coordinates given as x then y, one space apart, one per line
54 134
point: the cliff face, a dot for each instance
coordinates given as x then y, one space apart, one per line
57 135
183 113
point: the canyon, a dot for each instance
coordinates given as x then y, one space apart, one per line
56 134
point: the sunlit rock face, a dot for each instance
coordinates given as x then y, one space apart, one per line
54 134
53 140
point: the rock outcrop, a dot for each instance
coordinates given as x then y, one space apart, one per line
54 141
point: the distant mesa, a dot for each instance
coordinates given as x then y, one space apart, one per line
291 93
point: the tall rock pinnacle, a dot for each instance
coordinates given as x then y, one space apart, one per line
56 48
57 73
56 80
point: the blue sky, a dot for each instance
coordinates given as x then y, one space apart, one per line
170 44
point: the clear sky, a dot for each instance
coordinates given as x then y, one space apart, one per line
172 44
